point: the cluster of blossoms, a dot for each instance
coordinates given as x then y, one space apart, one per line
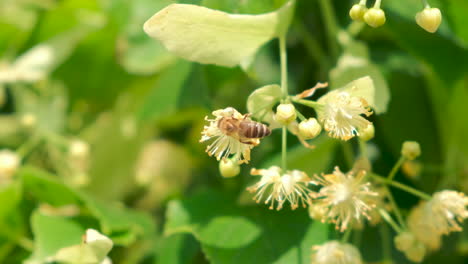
429 18
343 199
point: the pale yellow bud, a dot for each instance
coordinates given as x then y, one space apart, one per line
229 168
404 241
429 19
410 150
417 252
412 169
368 133
413 249
9 163
309 128
375 17
28 120
357 12
78 149
285 113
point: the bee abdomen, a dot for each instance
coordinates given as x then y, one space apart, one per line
255 130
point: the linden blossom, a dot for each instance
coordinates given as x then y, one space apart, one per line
439 216
345 198
334 252
235 134
290 186
342 114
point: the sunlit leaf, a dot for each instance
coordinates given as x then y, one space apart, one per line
208 36
51 233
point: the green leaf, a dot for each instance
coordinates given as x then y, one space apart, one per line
177 249
261 101
51 233
208 36
166 92
311 161
46 188
10 196
225 230
123 225
92 250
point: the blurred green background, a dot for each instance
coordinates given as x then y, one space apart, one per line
84 69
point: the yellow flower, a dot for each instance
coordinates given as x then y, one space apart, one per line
334 252
342 114
346 198
9 163
279 188
439 216
227 141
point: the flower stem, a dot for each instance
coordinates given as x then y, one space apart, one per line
389 220
377 3
284 67
395 168
386 243
425 4
346 236
309 103
28 146
395 207
284 149
284 90
401 186
331 25
363 148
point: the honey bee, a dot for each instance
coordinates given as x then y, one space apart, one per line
245 130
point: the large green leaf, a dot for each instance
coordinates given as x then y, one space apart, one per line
232 234
51 233
209 36
124 226
177 249
10 196
46 188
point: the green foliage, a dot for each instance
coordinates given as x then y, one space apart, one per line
88 70
231 234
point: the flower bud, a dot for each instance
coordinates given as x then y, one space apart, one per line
404 241
368 133
410 150
429 19
9 162
285 113
28 120
413 249
375 17
357 12
228 168
310 128
412 169
78 149
417 252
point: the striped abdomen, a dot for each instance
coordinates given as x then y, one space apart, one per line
251 129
